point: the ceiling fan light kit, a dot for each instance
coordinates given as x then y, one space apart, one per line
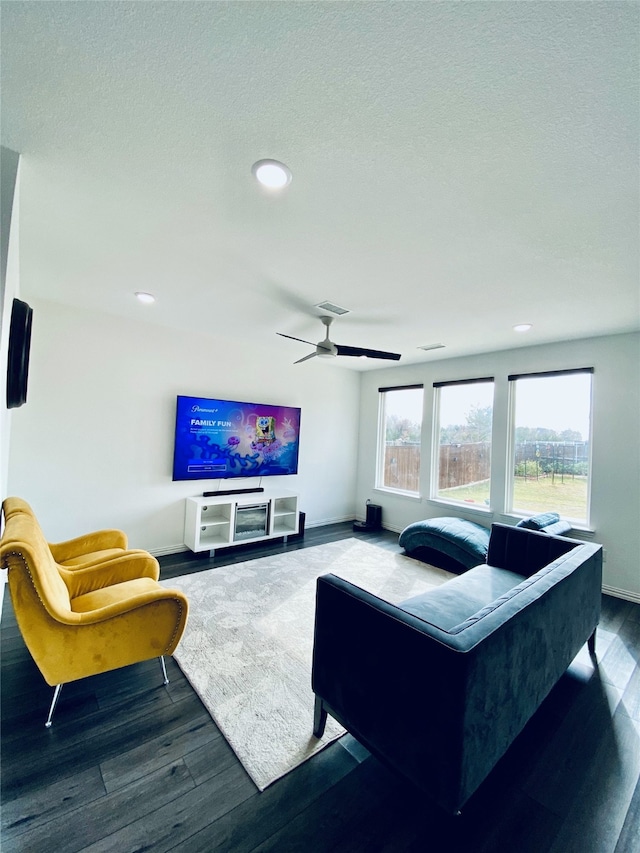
327 349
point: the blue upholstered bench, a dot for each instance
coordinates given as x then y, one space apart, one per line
456 544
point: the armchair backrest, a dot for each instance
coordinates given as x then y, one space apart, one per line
10 506
25 552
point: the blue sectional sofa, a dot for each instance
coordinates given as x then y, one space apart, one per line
439 686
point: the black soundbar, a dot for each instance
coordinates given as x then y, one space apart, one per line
232 492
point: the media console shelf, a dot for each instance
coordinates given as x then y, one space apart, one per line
224 520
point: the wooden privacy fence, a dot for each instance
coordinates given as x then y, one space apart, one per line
460 464
463 464
402 467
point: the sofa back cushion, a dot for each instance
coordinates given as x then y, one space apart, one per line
524 551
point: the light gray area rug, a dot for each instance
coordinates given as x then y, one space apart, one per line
248 644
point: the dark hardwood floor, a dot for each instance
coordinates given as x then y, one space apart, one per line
130 765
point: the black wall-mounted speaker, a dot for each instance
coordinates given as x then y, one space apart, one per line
18 358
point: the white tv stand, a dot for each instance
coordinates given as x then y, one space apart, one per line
212 522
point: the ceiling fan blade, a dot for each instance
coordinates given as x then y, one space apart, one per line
282 335
368 353
306 358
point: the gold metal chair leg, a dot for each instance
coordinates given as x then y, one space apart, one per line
164 671
54 702
58 690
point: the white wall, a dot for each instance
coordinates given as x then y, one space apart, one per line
615 499
93 446
9 286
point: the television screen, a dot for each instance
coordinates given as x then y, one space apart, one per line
224 438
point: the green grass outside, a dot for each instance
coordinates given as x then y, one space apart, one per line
547 494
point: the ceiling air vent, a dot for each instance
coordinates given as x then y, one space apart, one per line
333 309
427 347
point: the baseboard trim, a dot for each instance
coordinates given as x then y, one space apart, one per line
621 593
164 552
324 522
181 549
624 594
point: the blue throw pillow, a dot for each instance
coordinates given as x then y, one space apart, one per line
539 522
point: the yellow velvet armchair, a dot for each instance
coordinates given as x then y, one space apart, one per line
91 616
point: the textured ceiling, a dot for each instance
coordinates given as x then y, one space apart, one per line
457 167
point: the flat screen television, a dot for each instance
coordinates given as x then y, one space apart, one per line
222 439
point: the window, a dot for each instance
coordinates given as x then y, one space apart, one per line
399 436
551 443
462 469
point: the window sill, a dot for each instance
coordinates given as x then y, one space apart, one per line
412 496
461 506
582 529
588 532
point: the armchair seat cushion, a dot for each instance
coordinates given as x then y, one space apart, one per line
113 594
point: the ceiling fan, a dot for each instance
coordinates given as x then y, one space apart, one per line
327 349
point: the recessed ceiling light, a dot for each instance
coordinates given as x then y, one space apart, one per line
522 327
147 298
272 174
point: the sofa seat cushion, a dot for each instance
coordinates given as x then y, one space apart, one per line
462 540
462 597
124 591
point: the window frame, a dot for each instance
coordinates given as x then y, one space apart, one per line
509 509
435 445
380 485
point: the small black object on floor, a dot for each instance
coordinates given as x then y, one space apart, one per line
373 521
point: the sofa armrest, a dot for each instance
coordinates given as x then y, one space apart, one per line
390 679
525 551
